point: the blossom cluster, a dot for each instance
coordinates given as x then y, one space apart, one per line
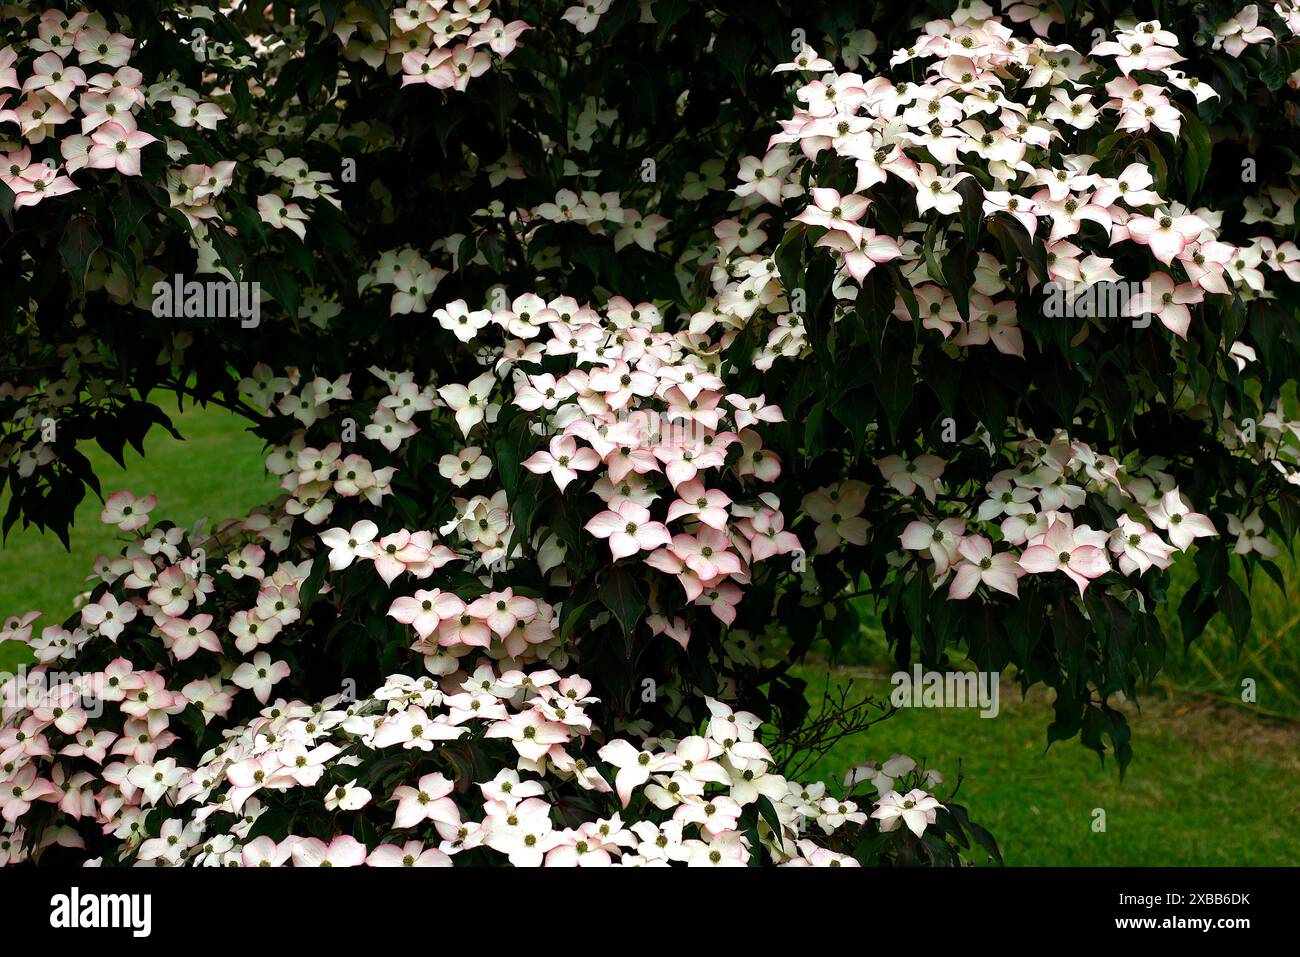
975 111
440 43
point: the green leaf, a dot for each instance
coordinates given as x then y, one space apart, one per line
734 50
315 579
78 244
768 813
282 286
7 198
1236 608
1196 152
622 595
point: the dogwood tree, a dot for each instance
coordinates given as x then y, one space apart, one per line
609 355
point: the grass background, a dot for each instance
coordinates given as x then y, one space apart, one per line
1212 782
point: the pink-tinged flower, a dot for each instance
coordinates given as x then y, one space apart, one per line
99 46
585 17
1205 263
260 675
833 211
503 610
126 511
1000 571
620 383
523 832
753 411
629 529
765 177
469 403
1137 548
462 322
862 250
465 630
1060 549
343 851
427 801
190 113
410 854
246 563
531 733
940 541
808 60
837 510
724 849
24 742
100 108
707 554
396 553
414 730
346 545
1167 235
434 68
563 461
666 561
638 229
147 698
108 616
411 291
717 815
1234 35
501 37
907 477
280 215
1145 48
185 638
116 147
156 780
426 610
620 460
1167 302
467 63
634 766
1143 106
763 464
721 599
17 170
467 465
50 74
1020 208
347 797
250 631
1284 258
767 536
710 506
701 408
677 629
1250 536
8 75
175 838
1132 185
1182 525
263 851
935 191
592 844
916 809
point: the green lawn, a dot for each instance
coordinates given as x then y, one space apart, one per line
216 473
1210 784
